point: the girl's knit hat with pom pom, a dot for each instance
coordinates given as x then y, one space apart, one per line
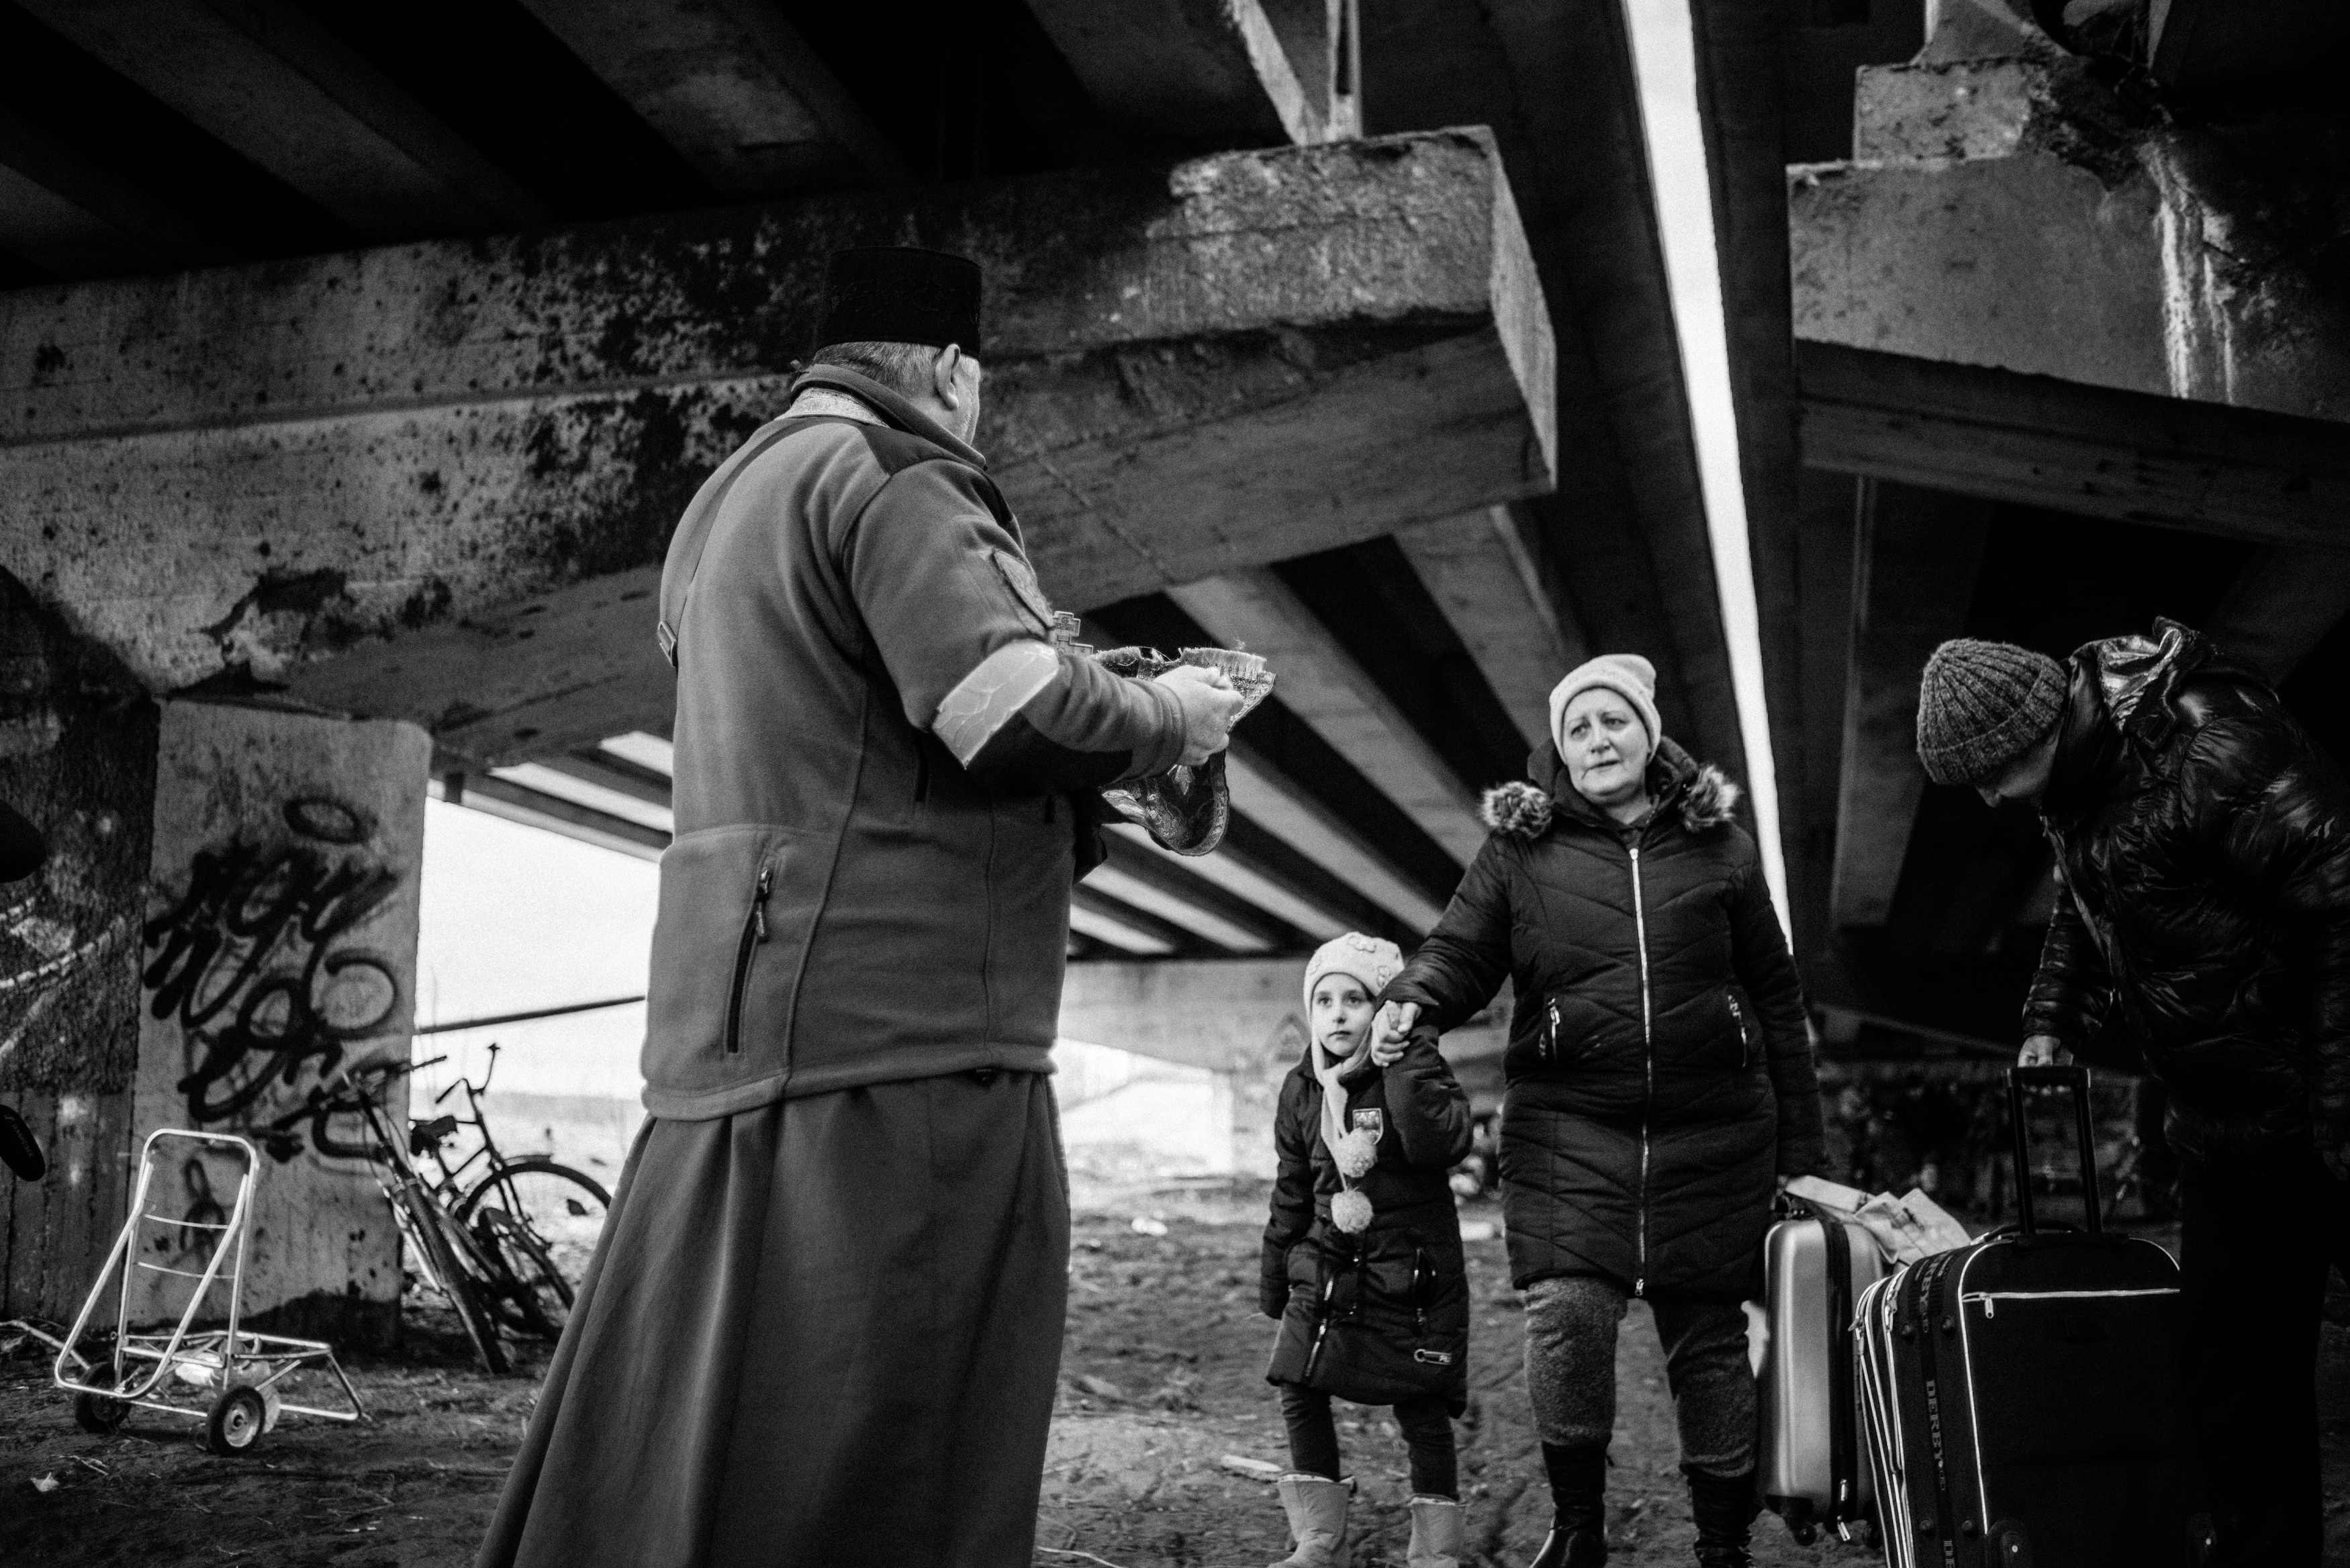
1374 961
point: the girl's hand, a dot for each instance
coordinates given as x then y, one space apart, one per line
1386 1052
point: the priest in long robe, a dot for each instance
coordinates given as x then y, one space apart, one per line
823 1325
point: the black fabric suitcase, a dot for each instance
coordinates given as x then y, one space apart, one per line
2021 1395
1810 1469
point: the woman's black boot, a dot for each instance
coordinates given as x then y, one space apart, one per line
1578 1499
1723 1506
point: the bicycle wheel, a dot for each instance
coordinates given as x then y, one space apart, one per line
451 1257
533 1297
543 1220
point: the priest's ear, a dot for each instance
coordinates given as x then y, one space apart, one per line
954 377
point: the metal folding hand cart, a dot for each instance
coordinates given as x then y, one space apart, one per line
230 1378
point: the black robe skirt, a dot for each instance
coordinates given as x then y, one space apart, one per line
825 1331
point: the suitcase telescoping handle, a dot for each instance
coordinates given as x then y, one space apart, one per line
2077 1080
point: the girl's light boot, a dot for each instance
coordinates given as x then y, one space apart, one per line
1436 1532
1317 1520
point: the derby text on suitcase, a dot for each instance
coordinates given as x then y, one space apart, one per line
2021 1395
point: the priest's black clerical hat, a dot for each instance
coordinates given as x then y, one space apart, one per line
901 294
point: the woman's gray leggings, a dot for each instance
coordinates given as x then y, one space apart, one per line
1571 1325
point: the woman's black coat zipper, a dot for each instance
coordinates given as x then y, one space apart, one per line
1647 1054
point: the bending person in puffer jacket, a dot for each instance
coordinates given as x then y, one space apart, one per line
1660 1077
2202 847
1362 1256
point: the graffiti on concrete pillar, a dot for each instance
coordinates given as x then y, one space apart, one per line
264 964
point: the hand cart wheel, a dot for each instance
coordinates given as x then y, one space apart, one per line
238 1417
99 1413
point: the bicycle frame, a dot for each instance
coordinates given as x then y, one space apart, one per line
407 1185
488 1148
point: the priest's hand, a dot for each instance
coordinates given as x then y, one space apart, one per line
1210 704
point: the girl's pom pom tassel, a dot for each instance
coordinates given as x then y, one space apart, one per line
1356 1154
1351 1211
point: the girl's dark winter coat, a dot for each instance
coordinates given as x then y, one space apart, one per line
1382 1316
1659 1071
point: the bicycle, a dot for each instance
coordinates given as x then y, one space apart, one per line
542 1217
507 1251
448 1255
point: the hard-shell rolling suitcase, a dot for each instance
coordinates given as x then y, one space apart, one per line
1811 1469
2021 1395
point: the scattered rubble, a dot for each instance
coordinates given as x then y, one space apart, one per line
1163 1445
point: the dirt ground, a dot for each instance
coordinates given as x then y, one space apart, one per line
1161 1390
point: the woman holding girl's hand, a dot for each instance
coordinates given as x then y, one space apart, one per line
1660 1076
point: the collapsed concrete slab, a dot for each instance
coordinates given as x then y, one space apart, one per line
435 482
2004 209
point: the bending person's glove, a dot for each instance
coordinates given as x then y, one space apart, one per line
2044 1051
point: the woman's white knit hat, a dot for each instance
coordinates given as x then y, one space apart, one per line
1627 675
1374 961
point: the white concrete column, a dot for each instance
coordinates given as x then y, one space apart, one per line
1251 1093
279 948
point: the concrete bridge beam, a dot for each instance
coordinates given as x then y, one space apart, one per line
2003 210
1495 581
435 482
1919 554
732 86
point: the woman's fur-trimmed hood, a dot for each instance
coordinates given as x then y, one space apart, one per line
1701 793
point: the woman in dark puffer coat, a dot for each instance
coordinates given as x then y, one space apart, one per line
1660 1076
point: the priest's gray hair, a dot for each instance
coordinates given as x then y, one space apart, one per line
903 368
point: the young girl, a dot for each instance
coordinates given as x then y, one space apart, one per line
1362 1256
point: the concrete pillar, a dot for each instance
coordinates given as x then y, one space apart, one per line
77 757
228 912
1240 1019
1250 1091
279 948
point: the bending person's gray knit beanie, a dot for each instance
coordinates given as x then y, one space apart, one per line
1983 704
